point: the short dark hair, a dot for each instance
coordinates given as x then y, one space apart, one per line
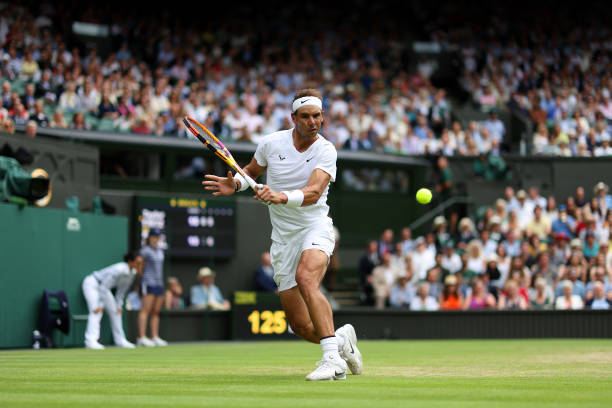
307 92
130 256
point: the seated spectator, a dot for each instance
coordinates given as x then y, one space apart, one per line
31 129
398 259
407 241
539 226
69 101
264 275
493 276
567 300
385 244
38 115
58 120
433 278
598 274
423 301
451 261
476 260
540 296
487 244
206 294
489 167
143 126
19 114
367 262
601 194
545 269
599 300
573 273
8 126
383 278
6 95
174 295
402 291
480 298
451 297
422 259
466 233
29 99
511 298
441 234
78 122
591 247
107 109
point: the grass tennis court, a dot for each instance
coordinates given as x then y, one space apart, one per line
492 373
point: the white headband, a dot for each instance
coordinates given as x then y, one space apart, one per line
305 101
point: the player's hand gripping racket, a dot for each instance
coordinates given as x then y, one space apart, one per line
214 145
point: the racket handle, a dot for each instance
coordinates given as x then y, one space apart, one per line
250 181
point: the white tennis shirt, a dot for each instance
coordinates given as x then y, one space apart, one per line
118 276
288 169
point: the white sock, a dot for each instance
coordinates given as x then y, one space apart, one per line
329 345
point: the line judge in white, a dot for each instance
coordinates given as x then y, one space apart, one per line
97 291
300 164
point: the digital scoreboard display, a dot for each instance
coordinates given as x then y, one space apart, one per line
192 227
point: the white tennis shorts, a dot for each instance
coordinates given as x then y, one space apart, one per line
286 255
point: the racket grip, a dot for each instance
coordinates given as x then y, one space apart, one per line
251 182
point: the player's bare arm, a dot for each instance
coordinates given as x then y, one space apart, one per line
228 185
317 183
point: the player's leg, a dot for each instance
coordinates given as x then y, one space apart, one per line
297 314
154 321
143 316
92 297
112 309
309 274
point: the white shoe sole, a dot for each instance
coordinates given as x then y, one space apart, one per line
353 358
338 377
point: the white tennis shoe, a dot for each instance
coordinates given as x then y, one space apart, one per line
94 345
159 342
126 344
144 342
329 369
350 353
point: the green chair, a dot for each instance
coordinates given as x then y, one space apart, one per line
18 85
92 120
106 125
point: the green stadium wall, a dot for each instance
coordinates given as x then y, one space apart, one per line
51 249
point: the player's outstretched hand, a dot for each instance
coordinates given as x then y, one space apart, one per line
267 195
220 185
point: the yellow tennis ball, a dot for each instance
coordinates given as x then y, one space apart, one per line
423 196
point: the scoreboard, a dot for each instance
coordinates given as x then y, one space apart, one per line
192 227
259 315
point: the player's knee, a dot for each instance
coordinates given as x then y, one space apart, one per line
306 279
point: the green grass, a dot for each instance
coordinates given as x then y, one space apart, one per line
493 373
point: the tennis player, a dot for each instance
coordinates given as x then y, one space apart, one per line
300 164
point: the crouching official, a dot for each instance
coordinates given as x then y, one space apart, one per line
97 291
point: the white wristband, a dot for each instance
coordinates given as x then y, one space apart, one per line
243 183
295 198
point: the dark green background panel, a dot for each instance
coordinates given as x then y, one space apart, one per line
40 252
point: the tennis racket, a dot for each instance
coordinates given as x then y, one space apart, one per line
214 145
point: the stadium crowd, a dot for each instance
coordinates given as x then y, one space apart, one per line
525 252
238 83
558 75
